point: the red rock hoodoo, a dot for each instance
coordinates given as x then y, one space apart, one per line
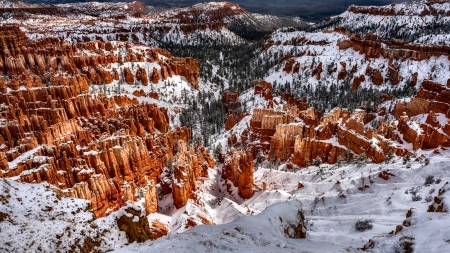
103 149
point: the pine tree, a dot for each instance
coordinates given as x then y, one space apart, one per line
340 161
218 150
389 156
317 162
406 159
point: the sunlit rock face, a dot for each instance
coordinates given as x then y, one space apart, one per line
97 147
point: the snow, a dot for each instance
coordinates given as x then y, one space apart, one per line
441 118
86 171
14 4
164 219
410 20
334 141
97 20
331 210
414 126
256 224
262 233
90 152
39 219
329 53
27 155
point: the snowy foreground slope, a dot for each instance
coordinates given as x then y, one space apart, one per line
333 199
36 218
267 232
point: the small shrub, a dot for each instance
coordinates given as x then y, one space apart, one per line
317 161
428 198
413 190
406 159
416 197
363 225
340 161
438 181
432 190
429 180
316 199
404 245
361 159
389 157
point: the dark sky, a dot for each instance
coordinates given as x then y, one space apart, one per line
308 10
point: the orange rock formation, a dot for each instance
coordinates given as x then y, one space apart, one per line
238 170
299 134
91 146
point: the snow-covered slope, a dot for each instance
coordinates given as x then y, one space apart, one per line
272 230
13 4
314 61
238 18
337 197
37 218
410 21
106 8
206 23
333 200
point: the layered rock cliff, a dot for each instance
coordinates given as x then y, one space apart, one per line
106 149
414 20
373 47
53 62
299 135
190 164
238 171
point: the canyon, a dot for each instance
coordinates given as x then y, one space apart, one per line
143 121
91 146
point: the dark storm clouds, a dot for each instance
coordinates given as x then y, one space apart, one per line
308 10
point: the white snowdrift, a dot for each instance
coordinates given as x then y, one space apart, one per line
262 233
37 218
